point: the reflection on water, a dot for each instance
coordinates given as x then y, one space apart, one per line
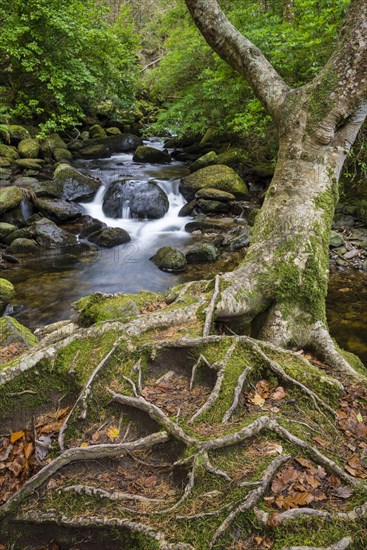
347 307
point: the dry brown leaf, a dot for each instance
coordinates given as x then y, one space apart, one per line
257 400
278 394
354 462
320 441
15 436
28 450
304 462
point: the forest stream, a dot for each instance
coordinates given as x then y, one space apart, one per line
46 287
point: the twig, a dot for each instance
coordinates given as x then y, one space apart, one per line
137 367
211 308
133 387
19 393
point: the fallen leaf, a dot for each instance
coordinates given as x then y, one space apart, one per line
278 394
257 400
354 462
304 462
150 481
29 448
113 433
84 444
343 492
320 441
359 418
15 436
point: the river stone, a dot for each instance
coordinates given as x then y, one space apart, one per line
17 133
146 199
10 197
89 226
187 208
15 216
57 210
8 152
7 293
51 142
35 165
233 243
97 131
113 131
29 148
48 235
5 163
214 177
109 237
12 332
99 150
169 259
203 252
61 154
69 184
23 246
206 160
336 240
122 143
214 194
145 153
22 233
212 207
6 229
208 225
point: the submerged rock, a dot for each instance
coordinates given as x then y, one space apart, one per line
109 237
169 259
218 177
145 153
144 199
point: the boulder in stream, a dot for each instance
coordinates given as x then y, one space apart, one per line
57 210
110 236
144 199
72 185
7 293
48 235
218 177
152 155
23 246
203 252
169 259
10 197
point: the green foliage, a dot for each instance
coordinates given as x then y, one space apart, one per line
205 92
60 60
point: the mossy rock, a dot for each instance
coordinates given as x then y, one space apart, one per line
6 229
12 332
213 206
49 235
113 131
206 160
57 210
7 293
8 152
97 131
29 148
169 259
99 307
70 184
35 165
51 142
5 163
214 177
22 233
234 157
151 155
23 246
17 133
336 240
10 197
99 150
203 252
61 154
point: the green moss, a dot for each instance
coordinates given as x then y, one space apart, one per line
320 101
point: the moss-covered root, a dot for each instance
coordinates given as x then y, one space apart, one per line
342 544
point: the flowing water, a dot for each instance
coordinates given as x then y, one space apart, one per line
46 286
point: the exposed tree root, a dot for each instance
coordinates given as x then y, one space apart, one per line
211 308
341 545
201 359
82 399
358 513
237 394
252 498
113 496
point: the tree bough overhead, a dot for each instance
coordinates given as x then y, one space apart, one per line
174 428
285 274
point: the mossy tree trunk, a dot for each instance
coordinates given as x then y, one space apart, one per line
283 280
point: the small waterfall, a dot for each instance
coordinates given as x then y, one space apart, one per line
26 208
126 214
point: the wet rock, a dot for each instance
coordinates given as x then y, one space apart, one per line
237 242
112 236
97 131
61 154
23 246
6 229
145 199
213 207
12 332
187 208
8 152
10 197
351 254
122 143
343 221
203 252
15 216
98 150
208 225
48 235
29 148
214 177
149 154
22 233
57 210
214 194
7 293
336 240
89 226
69 184
169 259
206 160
